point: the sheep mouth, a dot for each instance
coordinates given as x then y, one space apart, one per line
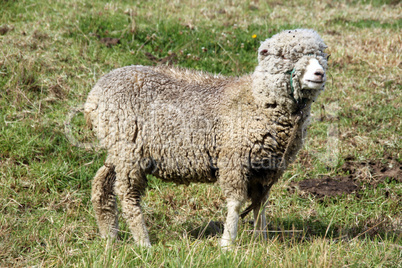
315 81
314 84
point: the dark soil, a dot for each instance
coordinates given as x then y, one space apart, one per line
328 186
357 174
373 172
109 42
169 60
4 29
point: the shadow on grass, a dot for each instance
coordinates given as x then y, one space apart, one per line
205 230
300 230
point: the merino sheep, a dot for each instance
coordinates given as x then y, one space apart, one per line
187 126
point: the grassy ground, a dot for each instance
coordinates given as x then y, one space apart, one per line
51 56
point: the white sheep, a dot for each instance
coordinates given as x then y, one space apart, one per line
186 126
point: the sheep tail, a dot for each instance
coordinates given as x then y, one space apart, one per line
68 129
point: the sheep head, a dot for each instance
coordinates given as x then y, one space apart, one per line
299 55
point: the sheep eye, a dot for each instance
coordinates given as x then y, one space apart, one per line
264 52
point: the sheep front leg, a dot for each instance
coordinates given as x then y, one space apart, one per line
129 189
104 201
232 220
234 185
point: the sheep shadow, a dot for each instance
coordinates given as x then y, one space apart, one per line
294 230
300 230
206 229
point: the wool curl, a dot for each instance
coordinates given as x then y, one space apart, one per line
187 126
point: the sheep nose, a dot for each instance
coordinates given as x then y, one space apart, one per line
319 73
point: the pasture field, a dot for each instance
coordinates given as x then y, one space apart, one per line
338 205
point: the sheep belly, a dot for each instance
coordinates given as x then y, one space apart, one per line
179 144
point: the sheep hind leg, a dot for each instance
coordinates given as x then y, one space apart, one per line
232 220
104 201
260 221
129 189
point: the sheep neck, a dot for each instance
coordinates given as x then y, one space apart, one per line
298 122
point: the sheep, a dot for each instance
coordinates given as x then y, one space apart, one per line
187 126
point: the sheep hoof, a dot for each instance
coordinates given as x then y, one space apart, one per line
226 244
260 235
145 244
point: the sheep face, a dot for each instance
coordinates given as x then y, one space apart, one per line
314 76
309 77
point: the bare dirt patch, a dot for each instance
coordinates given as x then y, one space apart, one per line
374 172
358 174
328 186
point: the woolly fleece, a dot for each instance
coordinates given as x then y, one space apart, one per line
186 126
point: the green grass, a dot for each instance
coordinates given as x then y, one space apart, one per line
51 56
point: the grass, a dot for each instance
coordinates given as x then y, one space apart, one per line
51 56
